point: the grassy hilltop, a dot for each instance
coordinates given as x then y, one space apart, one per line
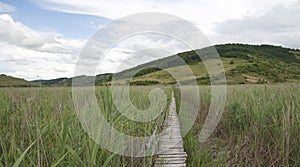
243 64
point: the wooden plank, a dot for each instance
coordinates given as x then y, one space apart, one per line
170 145
171 165
172 155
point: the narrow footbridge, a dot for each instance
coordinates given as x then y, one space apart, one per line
170 145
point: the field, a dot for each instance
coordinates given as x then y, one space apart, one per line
259 127
39 128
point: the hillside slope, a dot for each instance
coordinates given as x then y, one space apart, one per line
99 80
8 81
243 64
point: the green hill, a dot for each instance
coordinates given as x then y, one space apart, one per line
50 82
99 80
8 81
243 64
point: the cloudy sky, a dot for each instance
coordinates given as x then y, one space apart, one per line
42 39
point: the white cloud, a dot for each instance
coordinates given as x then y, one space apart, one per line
248 21
30 64
279 25
30 54
19 34
6 8
203 13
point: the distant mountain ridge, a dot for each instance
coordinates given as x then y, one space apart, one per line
49 82
243 64
99 79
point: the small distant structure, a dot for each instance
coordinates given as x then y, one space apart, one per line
178 84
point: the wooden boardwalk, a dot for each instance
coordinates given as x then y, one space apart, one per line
170 146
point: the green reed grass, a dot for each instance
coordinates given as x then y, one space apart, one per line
260 127
39 127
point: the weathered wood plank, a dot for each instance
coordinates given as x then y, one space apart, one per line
170 146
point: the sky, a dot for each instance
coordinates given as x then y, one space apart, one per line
43 39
